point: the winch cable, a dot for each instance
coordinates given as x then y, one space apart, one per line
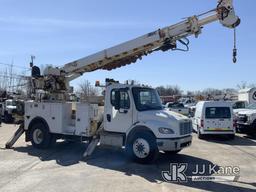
234 49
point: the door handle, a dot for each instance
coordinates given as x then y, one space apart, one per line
108 117
123 111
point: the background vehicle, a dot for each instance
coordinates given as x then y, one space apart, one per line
247 95
246 119
133 115
214 117
9 106
187 102
1 111
178 108
239 104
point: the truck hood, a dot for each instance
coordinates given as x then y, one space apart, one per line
160 115
239 110
247 112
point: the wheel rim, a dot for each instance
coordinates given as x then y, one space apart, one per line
38 136
141 148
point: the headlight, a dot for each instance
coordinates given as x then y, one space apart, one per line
165 130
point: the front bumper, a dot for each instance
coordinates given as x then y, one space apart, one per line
245 128
174 144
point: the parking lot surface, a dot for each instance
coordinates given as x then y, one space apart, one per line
62 168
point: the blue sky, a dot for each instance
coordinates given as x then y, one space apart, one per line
60 31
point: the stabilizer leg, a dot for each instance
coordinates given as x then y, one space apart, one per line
15 137
91 147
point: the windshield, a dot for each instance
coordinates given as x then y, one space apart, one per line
252 106
239 105
146 99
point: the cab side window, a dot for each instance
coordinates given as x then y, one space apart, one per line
124 101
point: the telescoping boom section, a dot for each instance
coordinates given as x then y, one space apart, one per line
162 39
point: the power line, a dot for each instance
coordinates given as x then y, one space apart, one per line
15 76
16 66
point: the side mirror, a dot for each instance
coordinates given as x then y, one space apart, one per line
117 100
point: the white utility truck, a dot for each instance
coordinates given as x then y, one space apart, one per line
133 116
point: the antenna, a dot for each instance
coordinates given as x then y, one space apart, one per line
32 60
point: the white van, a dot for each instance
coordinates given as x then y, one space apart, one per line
214 117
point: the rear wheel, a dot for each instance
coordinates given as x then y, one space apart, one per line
252 131
231 137
199 134
40 136
7 118
142 147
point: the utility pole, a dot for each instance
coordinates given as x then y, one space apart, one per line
11 77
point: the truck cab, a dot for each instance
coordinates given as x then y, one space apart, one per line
136 113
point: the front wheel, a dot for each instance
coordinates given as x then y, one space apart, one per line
40 136
142 147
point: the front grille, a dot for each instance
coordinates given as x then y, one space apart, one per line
242 118
185 128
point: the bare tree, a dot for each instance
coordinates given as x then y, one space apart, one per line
242 85
86 89
169 90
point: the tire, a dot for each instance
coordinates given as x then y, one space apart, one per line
7 118
252 131
199 135
172 152
40 136
142 147
231 137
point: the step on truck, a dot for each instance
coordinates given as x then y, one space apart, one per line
133 116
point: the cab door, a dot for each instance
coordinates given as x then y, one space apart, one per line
118 111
